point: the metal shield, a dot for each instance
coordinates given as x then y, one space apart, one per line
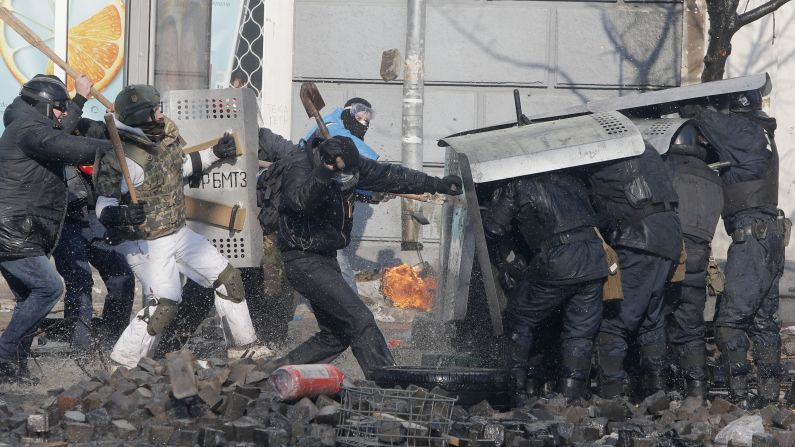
226 195
659 132
548 146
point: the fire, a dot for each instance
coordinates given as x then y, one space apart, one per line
407 288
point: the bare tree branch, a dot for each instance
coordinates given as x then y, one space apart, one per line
759 12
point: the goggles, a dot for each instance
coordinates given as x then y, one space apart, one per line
362 113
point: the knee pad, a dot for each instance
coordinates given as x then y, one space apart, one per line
230 278
164 313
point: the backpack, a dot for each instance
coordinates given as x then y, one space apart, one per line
269 189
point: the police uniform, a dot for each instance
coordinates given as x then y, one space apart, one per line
700 202
635 204
755 261
566 267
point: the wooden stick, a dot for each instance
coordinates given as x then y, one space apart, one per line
110 122
34 40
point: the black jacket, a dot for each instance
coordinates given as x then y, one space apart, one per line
555 218
316 216
635 202
272 146
33 193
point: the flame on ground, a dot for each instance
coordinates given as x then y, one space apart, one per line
407 290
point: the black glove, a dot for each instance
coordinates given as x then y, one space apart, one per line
342 147
226 147
450 185
117 216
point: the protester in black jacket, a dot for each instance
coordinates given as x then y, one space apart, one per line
33 194
314 222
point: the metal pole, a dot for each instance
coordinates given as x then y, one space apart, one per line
411 154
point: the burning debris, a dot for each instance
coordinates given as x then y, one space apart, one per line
410 287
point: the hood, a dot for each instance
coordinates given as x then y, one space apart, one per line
767 122
20 110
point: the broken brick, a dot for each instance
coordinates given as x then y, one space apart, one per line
181 374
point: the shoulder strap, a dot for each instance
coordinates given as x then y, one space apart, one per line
137 154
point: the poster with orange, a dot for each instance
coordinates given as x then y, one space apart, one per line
94 45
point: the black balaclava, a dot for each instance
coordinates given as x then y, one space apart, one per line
356 128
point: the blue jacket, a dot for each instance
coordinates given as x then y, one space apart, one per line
335 127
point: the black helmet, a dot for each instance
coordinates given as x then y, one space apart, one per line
135 104
45 93
746 101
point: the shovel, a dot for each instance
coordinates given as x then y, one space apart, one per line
313 103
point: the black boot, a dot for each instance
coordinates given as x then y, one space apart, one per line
736 362
652 382
520 396
574 390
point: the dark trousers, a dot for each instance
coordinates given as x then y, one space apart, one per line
342 317
74 257
36 286
638 318
533 303
748 307
684 311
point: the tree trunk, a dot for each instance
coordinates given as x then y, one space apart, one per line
722 18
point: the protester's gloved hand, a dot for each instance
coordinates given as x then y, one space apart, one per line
226 147
135 213
450 185
340 154
690 110
116 216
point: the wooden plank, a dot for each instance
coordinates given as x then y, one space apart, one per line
214 213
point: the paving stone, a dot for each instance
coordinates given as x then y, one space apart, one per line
74 416
70 398
329 415
159 406
78 432
90 386
784 419
184 438
784 437
326 434
768 413
238 372
656 403
211 437
160 434
119 406
252 392
643 442
483 408
721 406
149 365
255 376
98 417
575 415
36 423
235 406
97 399
584 433
304 410
243 429
271 437
613 410
181 374
763 440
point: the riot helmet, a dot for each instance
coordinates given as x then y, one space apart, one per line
356 116
45 93
135 105
747 101
688 141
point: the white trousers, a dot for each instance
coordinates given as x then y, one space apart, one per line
159 265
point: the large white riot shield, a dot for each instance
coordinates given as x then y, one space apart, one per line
659 132
223 207
507 153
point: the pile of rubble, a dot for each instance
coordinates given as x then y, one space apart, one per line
183 401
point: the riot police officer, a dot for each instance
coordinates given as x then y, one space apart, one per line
566 267
635 204
742 134
700 201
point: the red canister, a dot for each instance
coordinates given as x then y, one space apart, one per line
292 382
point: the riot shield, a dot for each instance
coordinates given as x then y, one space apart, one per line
223 207
659 132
